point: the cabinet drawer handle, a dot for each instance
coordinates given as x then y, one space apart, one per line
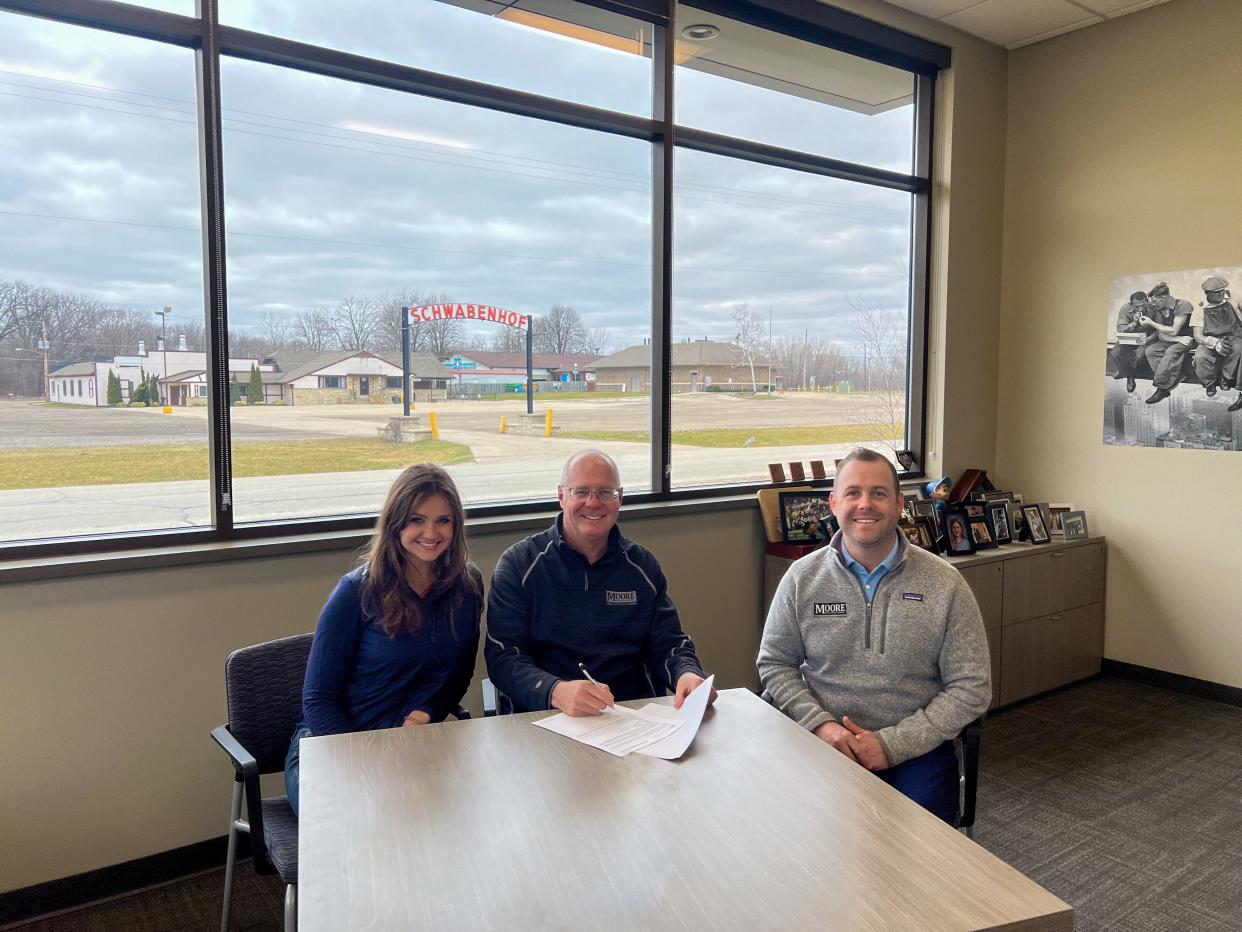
1056 617
1059 553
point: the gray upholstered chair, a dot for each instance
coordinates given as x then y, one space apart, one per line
263 685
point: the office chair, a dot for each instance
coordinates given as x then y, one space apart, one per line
263 686
969 741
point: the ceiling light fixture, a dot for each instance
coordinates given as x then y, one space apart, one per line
700 32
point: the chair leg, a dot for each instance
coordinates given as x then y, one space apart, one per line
291 907
229 861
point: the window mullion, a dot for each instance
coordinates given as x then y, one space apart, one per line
215 294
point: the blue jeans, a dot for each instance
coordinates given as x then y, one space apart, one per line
930 780
292 764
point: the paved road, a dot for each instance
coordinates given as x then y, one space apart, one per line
24 424
508 467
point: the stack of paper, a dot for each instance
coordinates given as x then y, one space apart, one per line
654 730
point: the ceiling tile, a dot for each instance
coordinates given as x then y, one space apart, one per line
938 8
1007 22
1118 7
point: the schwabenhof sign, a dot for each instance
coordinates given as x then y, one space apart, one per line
427 313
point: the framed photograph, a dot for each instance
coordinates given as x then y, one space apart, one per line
911 533
1046 513
973 509
981 533
957 534
805 517
926 508
906 461
1056 510
929 537
998 516
1074 524
1036 527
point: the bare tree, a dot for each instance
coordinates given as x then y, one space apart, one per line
275 332
560 331
508 340
313 330
881 406
596 341
118 330
356 322
14 306
751 338
441 337
809 361
390 304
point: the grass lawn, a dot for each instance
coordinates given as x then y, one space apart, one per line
737 436
72 466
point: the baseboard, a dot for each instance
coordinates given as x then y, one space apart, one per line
1174 682
116 880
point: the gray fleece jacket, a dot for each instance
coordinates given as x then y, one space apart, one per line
913 666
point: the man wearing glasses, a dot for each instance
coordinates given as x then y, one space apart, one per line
580 599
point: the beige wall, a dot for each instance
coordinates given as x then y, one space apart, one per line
109 685
1123 157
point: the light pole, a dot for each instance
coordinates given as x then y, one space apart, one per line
43 348
163 315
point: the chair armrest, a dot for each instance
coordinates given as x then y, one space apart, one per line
243 761
972 738
248 771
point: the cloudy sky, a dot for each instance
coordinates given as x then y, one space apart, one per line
337 190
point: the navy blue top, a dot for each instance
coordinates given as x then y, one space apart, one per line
358 678
550 610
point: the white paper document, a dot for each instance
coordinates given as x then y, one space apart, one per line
655 730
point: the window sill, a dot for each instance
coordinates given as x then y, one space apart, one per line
199 553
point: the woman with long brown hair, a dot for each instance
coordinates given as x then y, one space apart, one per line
396 641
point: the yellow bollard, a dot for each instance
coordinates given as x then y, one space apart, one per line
502 423
435 426
547 423
168 409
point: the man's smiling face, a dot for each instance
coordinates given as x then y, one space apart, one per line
586 524
867 505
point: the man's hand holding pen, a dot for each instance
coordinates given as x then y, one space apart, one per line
581 697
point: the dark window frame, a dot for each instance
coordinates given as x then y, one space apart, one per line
803 19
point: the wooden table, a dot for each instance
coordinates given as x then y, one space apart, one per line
495 824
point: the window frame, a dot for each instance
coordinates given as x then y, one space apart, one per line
808 20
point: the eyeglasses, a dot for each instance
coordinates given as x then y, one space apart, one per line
605 495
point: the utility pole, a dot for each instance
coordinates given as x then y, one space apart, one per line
44 346
163 315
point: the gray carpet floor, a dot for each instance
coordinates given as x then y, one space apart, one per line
1122 799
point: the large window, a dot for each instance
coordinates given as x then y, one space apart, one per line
710 281
99 234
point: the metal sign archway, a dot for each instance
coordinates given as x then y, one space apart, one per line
427 313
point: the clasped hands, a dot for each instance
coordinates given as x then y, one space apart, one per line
855 742
583 697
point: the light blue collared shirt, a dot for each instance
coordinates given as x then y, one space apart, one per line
869 580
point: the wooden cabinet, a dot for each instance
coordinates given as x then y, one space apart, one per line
1046 627
986 581
1042 607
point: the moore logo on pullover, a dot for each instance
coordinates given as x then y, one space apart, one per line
829 608
621 598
